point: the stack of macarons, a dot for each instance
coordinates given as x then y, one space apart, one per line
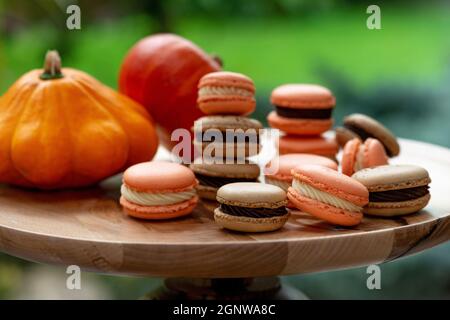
303 112
158 190
225 136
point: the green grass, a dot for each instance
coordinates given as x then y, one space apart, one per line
412 46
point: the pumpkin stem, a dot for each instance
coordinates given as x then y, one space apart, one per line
52 66
217 59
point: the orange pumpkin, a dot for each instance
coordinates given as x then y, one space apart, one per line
61 128
162 72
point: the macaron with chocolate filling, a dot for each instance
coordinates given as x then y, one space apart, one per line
319 145
363 127
213 176
158 190
251 207
304 109
227 136
358 155
328 195
395 189
226 92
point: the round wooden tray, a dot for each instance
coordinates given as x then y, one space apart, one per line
88 228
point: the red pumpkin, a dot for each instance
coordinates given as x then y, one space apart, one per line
161 72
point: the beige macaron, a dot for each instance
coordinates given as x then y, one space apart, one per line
238 136
251 207
395 189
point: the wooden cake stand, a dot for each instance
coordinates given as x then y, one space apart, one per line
87 228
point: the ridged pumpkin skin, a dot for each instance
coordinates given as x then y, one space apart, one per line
69 132
162 72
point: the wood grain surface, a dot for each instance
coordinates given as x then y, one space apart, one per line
87 228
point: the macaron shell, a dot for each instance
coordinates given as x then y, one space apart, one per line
234 170
223 150
343 135
302 96
227 79
349 156
159 212
285 163
392 209
375 129
159 176
206 192
299 126
392 177
374 153
236 105
322 146
246 224
333 182
324 211
226 122
252 195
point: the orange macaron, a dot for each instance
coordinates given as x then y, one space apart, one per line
328 195
319 145
358 155
304 109
158 190
226 92
278 171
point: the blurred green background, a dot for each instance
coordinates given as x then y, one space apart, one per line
399 74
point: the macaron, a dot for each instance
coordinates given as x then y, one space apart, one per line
227 136
358 155
226 92
251 207
361 126
320 145
395 189
328 195
278 171
158 190
213 176
303 109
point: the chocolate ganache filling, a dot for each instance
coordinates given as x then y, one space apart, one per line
363 134
253 212
217 182
398 195
304 113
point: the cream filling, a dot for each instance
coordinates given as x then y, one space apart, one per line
315 194
279 183
156 199
224 91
